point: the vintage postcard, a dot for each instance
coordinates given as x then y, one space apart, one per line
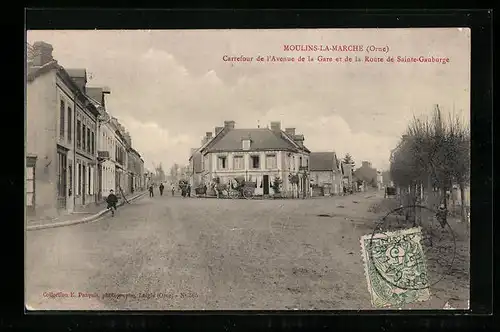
239 169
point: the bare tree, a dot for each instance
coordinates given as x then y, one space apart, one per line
433 152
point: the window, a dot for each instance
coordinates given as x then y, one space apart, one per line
300 162
222 163
84 131
79 189
238 162
88 140
255 161
246 144
61 119
70 124
271 161
78 134
92 149
30 185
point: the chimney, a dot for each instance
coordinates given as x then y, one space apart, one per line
366 164
42 53
229 124
218 130
299 139
290 131
208 135
276 126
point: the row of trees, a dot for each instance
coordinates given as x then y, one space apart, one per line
433 155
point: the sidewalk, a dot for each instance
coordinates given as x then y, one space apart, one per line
92 212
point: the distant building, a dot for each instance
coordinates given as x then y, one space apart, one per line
257 154
347 176
326 173
380 180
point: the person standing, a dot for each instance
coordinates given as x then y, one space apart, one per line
161 189
151 193
112 200
188 190
173 190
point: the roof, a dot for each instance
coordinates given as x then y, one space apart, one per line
262 139
95 93
35 71
77 72
322 161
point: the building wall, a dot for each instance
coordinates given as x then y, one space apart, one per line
286 163
121 166
86 158
66 96
107 143
41 130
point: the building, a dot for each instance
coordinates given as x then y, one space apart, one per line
326 173
195 168
380 180
106 159
136 171
259 155
121 165
85 152
347 178
60 143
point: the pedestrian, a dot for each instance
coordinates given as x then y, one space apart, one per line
161 189
441 215
173 190
112 200
151 194
189 190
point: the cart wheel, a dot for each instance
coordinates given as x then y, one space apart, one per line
233 194
247 193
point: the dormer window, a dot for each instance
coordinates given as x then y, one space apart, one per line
246 144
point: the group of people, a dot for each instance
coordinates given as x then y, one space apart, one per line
161 188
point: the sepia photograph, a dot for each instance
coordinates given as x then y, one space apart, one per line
257 169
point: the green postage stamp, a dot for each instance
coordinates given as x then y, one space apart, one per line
395 268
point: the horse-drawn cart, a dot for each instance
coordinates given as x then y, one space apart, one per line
238 188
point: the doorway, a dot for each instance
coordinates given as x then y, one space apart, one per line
265 184
84 183
61 179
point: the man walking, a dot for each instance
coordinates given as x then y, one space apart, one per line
151 194
112 200
161 189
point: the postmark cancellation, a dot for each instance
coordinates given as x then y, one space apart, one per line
395 268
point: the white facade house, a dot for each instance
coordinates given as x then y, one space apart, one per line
258 155
107 144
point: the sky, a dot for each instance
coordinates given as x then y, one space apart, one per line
169 87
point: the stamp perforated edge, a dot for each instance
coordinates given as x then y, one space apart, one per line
366 258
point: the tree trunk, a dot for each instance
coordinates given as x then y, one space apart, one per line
445 203
462 200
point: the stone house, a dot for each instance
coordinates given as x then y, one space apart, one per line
326 173
60 142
